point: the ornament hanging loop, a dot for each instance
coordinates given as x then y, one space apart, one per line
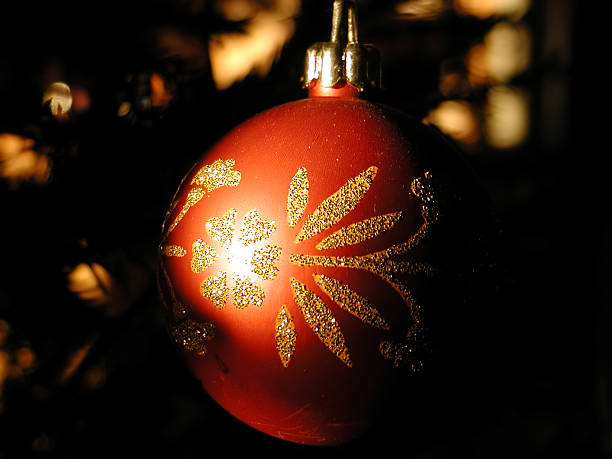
343 59
344 22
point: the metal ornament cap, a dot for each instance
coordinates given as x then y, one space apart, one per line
343 58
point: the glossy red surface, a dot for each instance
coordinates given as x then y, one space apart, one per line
317 398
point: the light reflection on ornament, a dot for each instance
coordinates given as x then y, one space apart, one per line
239 258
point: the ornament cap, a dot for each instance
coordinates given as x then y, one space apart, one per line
343 59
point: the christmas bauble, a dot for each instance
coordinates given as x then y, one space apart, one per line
293 261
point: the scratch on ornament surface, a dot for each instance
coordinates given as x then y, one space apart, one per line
298 411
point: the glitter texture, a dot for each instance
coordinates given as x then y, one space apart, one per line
203 256
385 263
297 198
221 229
424 189
263 261
360 231
401 354
193 197
216 175
379 263
351 301
335 207
193 336
254 228
215 289
321 320
247 292
285 336
173 251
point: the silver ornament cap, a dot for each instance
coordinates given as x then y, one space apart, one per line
342 58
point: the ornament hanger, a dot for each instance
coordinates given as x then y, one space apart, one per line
343 59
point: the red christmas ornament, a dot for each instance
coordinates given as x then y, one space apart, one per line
293 252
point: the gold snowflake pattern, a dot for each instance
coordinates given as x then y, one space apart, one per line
253 261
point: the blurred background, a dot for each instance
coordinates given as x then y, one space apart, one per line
105 105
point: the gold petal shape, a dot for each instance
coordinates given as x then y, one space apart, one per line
351 301
360 231
193 197
339 204
285 335
221 229
192 335
247 292
254 228
263 261
215 289
216 175
297 198
321 320
173 251
203 256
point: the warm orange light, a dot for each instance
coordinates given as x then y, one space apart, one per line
20 163
59 98
507 51
24 358
457 119
482 9
97 287
421 9
91 283
507 117
74 361
234 56
161 95
475 61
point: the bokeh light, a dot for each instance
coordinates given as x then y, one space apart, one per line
59 99
421 9
456 118
20 163
507 51
507 117
233 56
483 9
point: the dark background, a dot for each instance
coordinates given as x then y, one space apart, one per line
112 178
